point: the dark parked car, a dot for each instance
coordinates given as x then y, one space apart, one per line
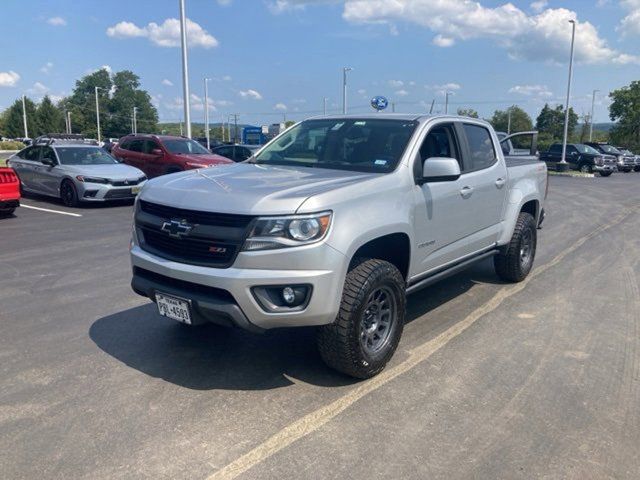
624 164
636 158
237 153
580 157
160 154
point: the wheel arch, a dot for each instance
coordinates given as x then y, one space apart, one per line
394 248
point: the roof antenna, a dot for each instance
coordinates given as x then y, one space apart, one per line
433 102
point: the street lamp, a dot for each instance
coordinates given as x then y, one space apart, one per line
593 102
206 111
344 88
563 166
185 69
96 88
446 101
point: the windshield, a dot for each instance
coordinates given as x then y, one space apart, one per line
84 156
610 149
587 149
186 146
364 145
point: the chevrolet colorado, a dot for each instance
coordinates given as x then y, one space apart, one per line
332 224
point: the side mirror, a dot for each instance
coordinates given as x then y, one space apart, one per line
156 151
440 169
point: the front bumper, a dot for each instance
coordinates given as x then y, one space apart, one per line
98 192
224 296
604 168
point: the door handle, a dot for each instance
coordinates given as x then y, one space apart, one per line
466 192
500 182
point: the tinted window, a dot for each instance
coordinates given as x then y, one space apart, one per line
365 145
481 148
136 145
31 153
224 151
439 142
125 144
149 146
47 152
186 146
556 148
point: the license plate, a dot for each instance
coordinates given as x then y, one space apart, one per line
173 307
135 190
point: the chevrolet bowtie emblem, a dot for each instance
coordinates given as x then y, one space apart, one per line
177 228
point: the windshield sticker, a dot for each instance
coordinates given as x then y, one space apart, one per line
380 162
337 126
360 123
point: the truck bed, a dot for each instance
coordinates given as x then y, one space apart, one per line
518 160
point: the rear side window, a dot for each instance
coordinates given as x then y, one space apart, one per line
31 153
555 148
135 146
481 148
150 146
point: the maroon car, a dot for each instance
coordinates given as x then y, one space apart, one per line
159 154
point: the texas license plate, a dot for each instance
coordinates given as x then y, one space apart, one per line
174 308
136 190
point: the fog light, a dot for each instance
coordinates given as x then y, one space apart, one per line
288 295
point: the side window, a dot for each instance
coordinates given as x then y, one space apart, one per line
440 142
31 153
555 148
481 149
571 149
47 152
149 146
224 151
135 146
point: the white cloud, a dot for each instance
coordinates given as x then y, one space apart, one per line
539 5
442 41
630 24
444 88
38 89
532 90
9 79
227 78
57 21
250 93
165 35
280 106
544 36
362 91
299 101
396 83
401 93
167 83
46 68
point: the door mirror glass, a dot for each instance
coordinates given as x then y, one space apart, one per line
440 169
156 151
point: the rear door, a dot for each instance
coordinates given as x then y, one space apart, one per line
29 160
484 186
49 177
133 154
155 164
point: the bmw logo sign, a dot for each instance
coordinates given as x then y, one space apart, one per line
379 102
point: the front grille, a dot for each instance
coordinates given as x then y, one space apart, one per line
125 183
193 216
214 240
125 193
171 282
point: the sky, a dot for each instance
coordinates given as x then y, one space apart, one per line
274 59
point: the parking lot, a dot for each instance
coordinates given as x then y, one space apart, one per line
537 379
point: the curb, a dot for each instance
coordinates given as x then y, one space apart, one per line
572 174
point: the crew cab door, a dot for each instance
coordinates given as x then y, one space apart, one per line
457 218
24 165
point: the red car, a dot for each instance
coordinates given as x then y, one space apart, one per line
9 191
160 154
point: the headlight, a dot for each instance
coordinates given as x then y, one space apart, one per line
280 232
142 179
83 178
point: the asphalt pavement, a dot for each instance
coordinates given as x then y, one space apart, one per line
491 380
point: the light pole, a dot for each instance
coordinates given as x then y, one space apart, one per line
446 101
324 106
97 113
563 161
593 102
135 120
509 121
206 111
24 117
344 88
185 70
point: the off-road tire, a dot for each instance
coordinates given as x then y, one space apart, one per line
585 168
509 263
340 343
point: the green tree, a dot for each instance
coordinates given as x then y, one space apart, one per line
550 122
468 112
127 95
82 102
49 118
13 124
625 110
520 120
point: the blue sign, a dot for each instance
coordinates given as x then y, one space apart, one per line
379 102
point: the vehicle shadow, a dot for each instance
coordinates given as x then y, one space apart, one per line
212 357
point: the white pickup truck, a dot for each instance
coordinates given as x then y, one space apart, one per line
332 224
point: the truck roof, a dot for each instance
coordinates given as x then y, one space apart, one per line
398 116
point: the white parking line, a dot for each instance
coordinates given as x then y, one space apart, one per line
50 211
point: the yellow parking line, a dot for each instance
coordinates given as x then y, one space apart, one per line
316 419
50 211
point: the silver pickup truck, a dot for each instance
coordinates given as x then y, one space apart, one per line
332 224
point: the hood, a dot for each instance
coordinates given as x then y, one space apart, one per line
246 188
205 159
117 171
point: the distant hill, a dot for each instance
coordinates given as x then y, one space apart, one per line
197 128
